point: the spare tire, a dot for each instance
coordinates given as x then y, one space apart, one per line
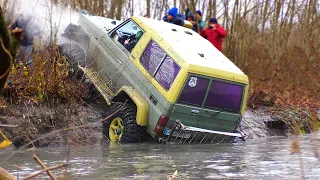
76 56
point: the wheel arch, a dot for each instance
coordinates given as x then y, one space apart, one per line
128 93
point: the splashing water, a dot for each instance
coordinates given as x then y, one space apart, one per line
51 19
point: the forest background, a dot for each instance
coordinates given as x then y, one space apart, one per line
275 42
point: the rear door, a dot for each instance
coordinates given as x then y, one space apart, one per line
188 107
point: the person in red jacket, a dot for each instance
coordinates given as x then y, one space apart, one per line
214 33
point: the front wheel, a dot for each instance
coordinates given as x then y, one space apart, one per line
122 126
76 56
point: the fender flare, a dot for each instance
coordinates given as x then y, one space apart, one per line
139 101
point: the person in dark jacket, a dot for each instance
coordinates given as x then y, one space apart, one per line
30 29
190 18
173 17
214 33
198 18
129 44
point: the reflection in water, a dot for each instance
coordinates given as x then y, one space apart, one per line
259 159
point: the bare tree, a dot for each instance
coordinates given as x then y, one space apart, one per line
148 7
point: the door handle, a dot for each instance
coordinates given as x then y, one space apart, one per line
194 111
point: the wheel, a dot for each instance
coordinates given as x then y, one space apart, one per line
122 126
74 32
76 56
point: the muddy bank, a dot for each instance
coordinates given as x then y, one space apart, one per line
279 121
43 121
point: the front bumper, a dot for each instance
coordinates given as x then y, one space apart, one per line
181 134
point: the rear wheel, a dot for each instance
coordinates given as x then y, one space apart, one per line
122 126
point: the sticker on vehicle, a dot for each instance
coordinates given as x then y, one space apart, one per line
193 82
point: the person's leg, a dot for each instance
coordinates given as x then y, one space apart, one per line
19 55
28 55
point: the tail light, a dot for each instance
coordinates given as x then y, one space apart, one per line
162 122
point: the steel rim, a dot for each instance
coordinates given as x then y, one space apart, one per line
116 130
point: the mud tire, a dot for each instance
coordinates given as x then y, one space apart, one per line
76 56
132 133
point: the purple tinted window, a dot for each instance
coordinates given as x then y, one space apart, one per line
152 56
194 91
167 72
225 96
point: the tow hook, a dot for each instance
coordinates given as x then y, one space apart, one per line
244 137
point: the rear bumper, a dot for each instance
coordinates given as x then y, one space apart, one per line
181 134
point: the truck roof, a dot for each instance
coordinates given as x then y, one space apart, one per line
192 47
195 51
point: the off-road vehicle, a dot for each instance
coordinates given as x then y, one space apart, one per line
158 78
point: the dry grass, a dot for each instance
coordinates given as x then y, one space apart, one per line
46 80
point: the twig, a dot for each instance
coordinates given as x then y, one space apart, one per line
44 170
43 166
4 174
27 111
8 125
30 141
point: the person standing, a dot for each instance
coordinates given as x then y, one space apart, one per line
214 33
201 23
30 30
173 17
190 18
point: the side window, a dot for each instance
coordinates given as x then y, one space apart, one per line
128 35
167 72
194 91
159 65
223 95
152 57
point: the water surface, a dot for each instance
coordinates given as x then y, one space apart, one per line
262 158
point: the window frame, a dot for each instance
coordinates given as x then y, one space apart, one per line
160 64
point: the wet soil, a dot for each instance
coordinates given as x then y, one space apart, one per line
43 123
47 125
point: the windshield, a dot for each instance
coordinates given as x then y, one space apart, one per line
221 95
129 28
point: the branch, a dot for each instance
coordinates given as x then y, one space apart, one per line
44 170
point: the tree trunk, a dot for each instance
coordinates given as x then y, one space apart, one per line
148 7
183 5
112 9
162 8
119 9
8 49
264 16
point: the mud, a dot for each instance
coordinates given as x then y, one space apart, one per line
257 123
43 123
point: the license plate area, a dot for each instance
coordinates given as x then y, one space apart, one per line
179 134
182 134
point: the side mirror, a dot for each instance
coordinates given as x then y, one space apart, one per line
84 12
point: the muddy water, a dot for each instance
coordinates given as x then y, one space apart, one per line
262 158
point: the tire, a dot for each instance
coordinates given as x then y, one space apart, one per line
76 56
131 132
74 32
